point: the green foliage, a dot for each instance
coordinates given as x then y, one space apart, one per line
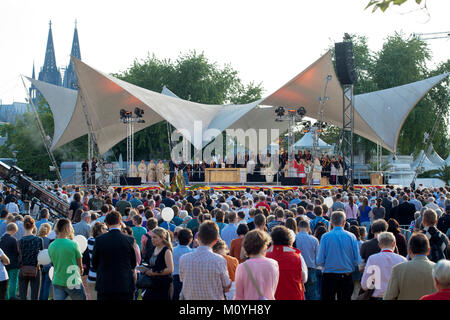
383 5
25 141
191 77
442 173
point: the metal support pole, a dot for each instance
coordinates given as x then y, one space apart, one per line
347 134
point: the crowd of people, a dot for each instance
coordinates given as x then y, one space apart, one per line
257 244
302 165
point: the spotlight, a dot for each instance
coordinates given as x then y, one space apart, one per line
301 111
138 112
280 111
124 113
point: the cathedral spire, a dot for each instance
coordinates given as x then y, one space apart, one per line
70 79
49 72
33 74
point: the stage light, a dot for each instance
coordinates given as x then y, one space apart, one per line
280 111
138 112
301 111
124 114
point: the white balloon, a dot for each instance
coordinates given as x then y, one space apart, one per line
328 201
82 242
43 257
167 214
50 273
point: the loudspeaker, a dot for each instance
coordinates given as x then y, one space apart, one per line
130 181
291 181
345 62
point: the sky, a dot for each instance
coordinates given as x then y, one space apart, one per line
267 42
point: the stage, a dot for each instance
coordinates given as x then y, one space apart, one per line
221 187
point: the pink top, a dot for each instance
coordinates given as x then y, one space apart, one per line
349 213
265 271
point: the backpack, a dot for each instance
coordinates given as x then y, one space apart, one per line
436 241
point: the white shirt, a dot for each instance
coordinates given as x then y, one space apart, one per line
382 264
3 272
12 207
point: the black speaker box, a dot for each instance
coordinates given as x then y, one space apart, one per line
130 181
345 62
291 181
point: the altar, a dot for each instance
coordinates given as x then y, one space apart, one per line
233 175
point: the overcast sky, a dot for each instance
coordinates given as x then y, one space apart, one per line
265 41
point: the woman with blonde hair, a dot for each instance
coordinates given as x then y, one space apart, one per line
44 231
160 266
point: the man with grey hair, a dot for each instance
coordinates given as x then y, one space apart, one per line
83 227
431 204
441 277
379 266
338 255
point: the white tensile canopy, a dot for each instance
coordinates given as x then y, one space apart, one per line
447 161
378 115
306 142
427 164
435 158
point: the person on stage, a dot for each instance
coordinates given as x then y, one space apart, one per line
93 170
133 170
301 171
151 171
85 171
334 170
160 171
142 171
316 173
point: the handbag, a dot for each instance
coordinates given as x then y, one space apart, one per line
261 296
144 281
28 271
365 294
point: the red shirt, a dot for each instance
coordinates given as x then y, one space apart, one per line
443 294
262 204
290 284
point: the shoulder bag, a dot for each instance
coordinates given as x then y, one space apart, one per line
261 296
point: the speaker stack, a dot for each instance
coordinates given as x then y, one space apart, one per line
345 62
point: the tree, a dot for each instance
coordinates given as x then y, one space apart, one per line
191 77
383 5
26 144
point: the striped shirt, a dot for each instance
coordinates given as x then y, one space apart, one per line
92 276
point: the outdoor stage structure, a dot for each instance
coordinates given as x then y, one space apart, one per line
103 96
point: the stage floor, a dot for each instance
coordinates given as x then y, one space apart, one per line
223 187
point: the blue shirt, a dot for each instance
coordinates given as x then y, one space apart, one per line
171 226
229 232
309 246
38 224
178 251
316 220
338 251
294 201
364 215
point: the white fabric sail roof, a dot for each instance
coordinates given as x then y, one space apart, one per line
307 142
427 164
447 161
435 158
103 96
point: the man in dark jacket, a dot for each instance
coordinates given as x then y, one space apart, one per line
114 260
439 248
405 212
387 205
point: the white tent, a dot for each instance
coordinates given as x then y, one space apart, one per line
101 97
435 158
447 162
306 142
427 164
